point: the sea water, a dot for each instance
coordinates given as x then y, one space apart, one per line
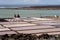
9 13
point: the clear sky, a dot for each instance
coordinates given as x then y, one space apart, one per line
38 2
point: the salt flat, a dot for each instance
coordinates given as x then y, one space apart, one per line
34 26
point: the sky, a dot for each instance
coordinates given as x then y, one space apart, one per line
30 2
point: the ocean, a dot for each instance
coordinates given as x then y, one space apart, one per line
9 13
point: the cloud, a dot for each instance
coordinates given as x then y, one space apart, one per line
30 2
19 1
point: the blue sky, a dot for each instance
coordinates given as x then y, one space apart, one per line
30 2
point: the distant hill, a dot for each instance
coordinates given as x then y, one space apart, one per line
42 7
48 7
